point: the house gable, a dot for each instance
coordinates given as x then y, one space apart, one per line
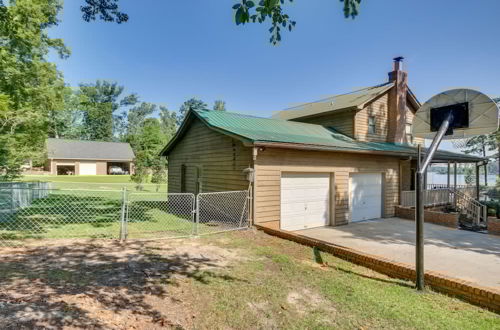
378 110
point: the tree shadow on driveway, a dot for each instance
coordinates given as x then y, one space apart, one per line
100 284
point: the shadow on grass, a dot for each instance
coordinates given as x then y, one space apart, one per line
40 287
373 278
66 209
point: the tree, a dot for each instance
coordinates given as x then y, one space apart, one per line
159 172
106 10
168 122
100 102
480 145
30 86
191 104
147 143
245 11
66 122
136 118
220 105
469 176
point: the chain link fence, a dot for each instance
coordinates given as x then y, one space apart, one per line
221 211
39 212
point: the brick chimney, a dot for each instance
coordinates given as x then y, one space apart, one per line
397 102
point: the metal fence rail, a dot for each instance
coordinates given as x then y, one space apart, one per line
42 213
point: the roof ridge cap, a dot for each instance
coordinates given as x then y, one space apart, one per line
337 95
87 141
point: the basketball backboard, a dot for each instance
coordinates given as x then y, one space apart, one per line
473 113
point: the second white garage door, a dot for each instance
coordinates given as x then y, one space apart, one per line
366 196
88 168
305 200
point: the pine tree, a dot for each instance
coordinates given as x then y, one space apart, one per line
191 104
220 105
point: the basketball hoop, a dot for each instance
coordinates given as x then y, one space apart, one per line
457 115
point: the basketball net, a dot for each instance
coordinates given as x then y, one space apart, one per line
460 143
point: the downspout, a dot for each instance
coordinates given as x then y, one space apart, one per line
250 173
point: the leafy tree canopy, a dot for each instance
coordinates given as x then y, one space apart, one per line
220 105
101 102
245 11
168 122
30 87
191 104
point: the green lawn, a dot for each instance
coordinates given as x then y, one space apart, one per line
96 214
97 182
235 280
277 285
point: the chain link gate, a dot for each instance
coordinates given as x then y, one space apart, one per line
44 213
158 215
221 211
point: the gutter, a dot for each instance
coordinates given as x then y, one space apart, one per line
299 146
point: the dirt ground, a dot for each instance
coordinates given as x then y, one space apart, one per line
235 280
104 284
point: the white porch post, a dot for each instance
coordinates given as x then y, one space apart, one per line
448 176
455 184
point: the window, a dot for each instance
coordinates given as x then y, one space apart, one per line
409 136
183 178
371 124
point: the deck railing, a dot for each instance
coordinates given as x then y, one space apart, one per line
462 198
466 189
436 195
432 197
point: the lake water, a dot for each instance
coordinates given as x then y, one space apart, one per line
435 178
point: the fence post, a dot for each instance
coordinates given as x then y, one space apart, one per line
197 214
123 222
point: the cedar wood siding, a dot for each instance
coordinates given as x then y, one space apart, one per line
377 108
271 162
409 119
219 158
342 122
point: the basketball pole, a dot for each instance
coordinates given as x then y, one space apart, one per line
419 199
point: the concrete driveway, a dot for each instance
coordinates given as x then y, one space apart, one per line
462 254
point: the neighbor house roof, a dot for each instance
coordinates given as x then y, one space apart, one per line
282 133
77 149
349 101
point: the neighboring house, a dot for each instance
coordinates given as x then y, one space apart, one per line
75 157
339 160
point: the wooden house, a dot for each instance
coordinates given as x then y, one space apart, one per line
338 160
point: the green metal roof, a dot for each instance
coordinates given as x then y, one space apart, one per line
337 102
257 130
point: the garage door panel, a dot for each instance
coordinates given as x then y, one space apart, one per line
366 196
304 200
88 168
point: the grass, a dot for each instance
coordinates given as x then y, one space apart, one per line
92 214
280 286
235 280
94 182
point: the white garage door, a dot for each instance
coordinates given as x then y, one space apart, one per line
305 200
366 196
88 168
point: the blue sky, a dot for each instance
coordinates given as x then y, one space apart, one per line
171 50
